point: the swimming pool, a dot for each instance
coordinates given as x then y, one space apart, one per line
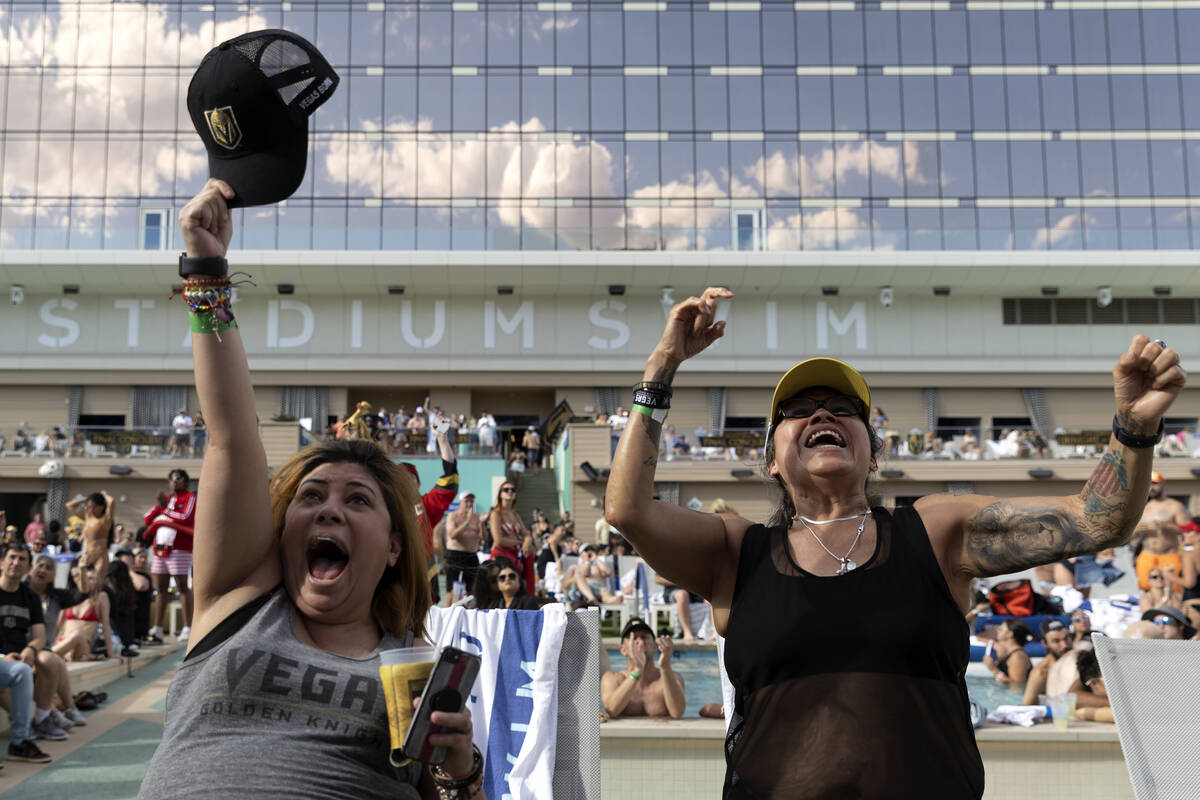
702 681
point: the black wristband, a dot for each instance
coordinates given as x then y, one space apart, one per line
1136 441
651 399
213 267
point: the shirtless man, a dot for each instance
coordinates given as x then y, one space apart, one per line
1058 641
641 690
97 511
1159 508
463 531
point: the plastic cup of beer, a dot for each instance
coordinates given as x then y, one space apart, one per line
403 674
1060 707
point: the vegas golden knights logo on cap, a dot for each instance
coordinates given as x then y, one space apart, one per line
224 127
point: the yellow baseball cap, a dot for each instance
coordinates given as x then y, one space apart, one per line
821 372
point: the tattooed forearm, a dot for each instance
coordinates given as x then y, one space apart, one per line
663 374
1012 535
653 433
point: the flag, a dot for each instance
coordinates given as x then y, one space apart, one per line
514 705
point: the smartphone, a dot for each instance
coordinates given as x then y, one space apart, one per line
450 683
443 426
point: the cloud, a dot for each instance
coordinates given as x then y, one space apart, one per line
558 23
1066 228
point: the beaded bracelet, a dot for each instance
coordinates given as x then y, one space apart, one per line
208 301
464 788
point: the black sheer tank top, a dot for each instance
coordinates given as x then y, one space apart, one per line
848 686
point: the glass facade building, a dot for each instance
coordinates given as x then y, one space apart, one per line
776 126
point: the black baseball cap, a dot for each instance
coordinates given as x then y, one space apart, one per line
250 101
635 625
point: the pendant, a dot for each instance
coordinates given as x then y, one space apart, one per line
847 565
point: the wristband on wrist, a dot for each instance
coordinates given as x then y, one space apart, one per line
208 301
654 386
659 415
211 267
1134 440
651 398
637 676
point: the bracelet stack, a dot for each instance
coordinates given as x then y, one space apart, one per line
652 399
208 301
459 788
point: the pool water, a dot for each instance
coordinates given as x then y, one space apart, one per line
702 681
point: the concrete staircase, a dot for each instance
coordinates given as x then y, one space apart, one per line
538 490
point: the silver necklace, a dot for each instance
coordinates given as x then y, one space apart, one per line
812 521
846 563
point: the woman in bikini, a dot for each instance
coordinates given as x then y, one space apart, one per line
77 625
510 538
1007 659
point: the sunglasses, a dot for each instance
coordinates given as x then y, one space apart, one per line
1163 619
508 490
507 576
1155 576
802 406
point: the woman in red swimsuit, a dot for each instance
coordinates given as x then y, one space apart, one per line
510 538
77 625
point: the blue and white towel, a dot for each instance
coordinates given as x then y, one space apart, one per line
514 708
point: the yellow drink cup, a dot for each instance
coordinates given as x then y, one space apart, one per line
403 674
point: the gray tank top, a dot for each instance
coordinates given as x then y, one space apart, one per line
261 714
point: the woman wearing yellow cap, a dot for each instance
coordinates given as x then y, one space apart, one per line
845 637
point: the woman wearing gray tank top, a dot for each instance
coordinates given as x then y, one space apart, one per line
300 581
828 701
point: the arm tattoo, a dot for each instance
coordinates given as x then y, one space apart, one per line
1012 535
653 431
664 375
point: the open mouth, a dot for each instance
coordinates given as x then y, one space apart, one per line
327 558
824 437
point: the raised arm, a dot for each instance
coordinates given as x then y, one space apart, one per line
689 547
110 507
235 544
990 536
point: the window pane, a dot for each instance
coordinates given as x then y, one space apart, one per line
1028 169
537 99
469 102
366 37
745 37
882 42
780 170
920 110
991 169
503 100
1158 35
1125 37
641 103
470 38
780 110
435 47
678 165
779 45
709 37
985 27
607 48
957 169
1162 101
812 37
608 103
1169 170
712 113
1129 102
503 41
571 38
677 103
333 36
1024 103
1133 169
400 102
950 36
847 36
572 107
1020 38
537 43
745 103
954 103
1058 103
851 169
989 102
815 104
920 169
365 96
916 38
641 39
1062 169
675 38
712 169
1096 167
433 101
850 104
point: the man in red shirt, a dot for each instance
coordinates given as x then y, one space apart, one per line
434 503
169 531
